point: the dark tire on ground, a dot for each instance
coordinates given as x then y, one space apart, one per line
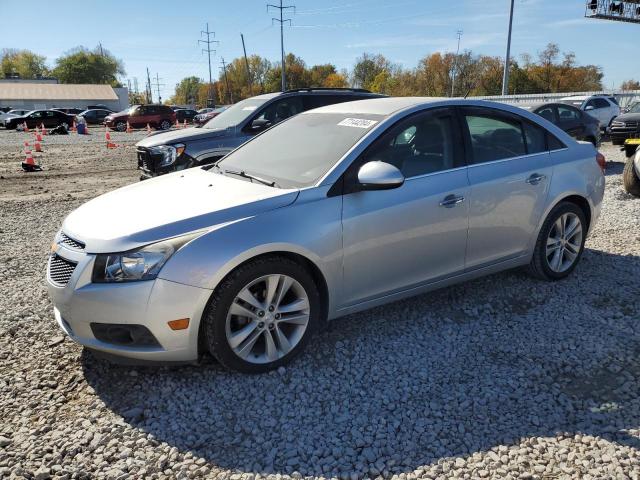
213 328
165 125
617 141
539 265
121 126
630 178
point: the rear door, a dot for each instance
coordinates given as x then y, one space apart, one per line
509 175
570 120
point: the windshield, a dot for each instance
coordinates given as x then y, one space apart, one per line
635 108
300 150
236 113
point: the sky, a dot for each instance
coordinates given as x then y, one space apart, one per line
163 35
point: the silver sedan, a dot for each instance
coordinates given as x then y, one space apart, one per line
333 211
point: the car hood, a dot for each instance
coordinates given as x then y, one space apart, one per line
625 117
177 136
169 206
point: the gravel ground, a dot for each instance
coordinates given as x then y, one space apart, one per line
527 380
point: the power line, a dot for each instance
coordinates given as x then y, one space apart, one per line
208 42
158 85
282 21
246 61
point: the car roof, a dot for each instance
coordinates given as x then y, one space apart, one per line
378 106
577 97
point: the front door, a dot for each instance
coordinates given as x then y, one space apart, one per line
509 174
397 239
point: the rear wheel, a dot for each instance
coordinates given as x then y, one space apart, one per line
560 242
165 125
121 126
262 315
630 178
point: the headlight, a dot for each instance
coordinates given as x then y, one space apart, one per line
141 264
169 153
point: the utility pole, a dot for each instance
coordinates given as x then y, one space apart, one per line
149 94
226 81
247 64
281 21
101 51
208 42
455 65
505 76
158 85
135 84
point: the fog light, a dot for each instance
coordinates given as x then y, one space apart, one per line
180 324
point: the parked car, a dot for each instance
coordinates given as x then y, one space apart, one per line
602 107
631 171
99 107
206 110
182 149
48 118
328 213
95 116
626 125
69 111
12 113
572 120
187 114
204 117
160 117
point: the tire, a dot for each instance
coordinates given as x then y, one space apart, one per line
630 179
220 324
617 141
121 126
65 125
544 264
165 125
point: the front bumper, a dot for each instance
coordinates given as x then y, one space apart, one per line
150 304
623 133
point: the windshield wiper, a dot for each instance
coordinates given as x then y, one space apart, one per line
242 173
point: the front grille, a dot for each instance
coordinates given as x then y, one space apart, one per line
145 160
631 124
60 270
71 243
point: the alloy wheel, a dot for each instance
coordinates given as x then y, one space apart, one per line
267 318
564 242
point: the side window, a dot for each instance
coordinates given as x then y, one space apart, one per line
568 114
418 145
535 136
547 113
316 101
554 143
152 110
601 103
50 114
494 136
590 103
281 110
38 114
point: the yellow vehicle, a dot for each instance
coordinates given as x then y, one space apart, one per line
631 172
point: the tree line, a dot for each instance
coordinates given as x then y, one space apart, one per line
435 75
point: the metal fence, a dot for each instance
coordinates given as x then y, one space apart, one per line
624 97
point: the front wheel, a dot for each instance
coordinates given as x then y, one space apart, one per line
630 178
560 243
262 315
121 126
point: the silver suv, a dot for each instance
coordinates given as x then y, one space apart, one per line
180 149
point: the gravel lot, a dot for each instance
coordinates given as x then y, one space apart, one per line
503 377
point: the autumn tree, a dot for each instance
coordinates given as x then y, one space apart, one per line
187 91
630 85
24 63
81 65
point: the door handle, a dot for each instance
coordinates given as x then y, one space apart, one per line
451 201
535 179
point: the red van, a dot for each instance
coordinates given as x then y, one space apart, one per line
161 117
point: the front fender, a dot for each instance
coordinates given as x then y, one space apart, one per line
310 227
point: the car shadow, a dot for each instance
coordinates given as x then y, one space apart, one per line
614 168
404 385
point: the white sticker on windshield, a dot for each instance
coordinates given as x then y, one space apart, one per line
250 109
357 122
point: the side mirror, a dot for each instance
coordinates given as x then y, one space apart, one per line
588 108
260 124
378 175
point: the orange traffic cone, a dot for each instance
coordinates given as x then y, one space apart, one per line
25 128
107 137
38 146
73 127
29 165
129 129
44 130
184 124
177 123
38 136
148 129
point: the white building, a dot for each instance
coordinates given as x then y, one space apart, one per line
34 94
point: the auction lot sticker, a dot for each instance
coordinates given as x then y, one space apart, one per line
357 122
